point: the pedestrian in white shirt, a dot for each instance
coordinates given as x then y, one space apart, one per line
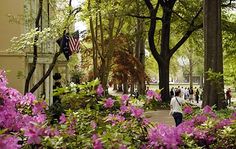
176 107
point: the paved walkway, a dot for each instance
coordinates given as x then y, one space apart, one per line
159 116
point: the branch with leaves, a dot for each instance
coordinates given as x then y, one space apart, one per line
57 54
191 29
35 47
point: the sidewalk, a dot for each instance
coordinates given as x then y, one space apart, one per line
160 116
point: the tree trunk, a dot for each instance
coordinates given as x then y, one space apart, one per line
51 66
132 88
140 54
191 68
120 89
213 89
164 81
125 84
164 65
94 42
163 59
35 47
114 86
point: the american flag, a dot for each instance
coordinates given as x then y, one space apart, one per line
74 42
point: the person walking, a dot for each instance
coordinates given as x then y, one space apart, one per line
176 107
191 94
197 95
186 93
228 96
172 93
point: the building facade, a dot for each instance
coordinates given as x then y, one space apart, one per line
17 17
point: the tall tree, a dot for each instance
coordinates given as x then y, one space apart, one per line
41 35
213 86
35 48
166 51
140 46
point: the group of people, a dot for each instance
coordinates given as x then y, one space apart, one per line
179 97
188 93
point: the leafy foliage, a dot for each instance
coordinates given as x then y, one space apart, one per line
120 125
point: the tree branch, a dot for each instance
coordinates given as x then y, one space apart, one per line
191 29
56 55
180 17
184 38
35 47
149 4
152 28
143 17
195 17
47 73
119 27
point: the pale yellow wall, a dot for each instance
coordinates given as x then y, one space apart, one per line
10 29
13 64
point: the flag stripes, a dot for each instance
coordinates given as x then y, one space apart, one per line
74 44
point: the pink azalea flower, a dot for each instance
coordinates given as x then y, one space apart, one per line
99 90
93 124
233 116
114 119
136 112
199 134
145 122
39 107
41 118
124 99
153 95
200 118
52 131
109 103
207 109
123 147
188 110
97 143
222 123
157 97
123 109
28 99
70 131
165 136
33 133
62 119
3 79
150 94
9 142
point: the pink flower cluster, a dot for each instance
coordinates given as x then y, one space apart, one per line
171 137
188 110
97 143
21 115
100 90
153 95
109 103
114 119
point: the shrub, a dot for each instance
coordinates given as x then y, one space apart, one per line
93 121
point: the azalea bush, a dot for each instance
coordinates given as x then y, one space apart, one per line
91 120
22 118
104 121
